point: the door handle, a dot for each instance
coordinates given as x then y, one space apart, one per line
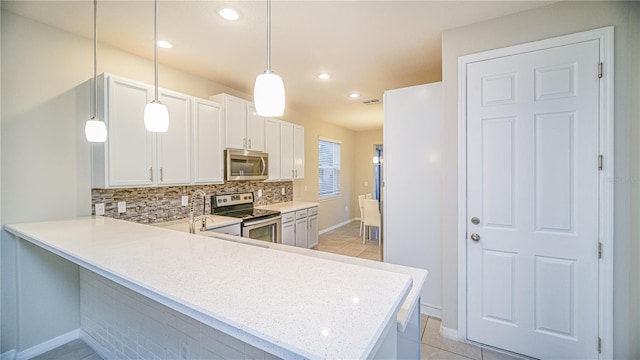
475 237
475 220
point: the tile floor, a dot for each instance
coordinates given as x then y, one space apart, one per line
346 241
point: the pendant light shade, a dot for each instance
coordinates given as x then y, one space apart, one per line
268 92
95 130
156 115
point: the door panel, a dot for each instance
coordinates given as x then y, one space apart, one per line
532 180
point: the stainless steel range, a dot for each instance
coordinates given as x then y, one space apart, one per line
257 224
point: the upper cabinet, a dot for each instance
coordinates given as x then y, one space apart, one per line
244 128
208 149
286 151
298 152
134 157
272 146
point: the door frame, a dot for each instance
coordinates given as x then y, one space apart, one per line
606 186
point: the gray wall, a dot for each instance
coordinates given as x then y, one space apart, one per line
551 21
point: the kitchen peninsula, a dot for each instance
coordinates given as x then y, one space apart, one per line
171 294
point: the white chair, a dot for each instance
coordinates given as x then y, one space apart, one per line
371 217
360 199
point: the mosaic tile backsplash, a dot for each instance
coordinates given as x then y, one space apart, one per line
157 204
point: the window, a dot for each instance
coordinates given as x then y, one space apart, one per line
328 167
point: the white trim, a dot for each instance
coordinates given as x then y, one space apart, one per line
329 140
431 310
335 226
606 215
94 344
449 333
48 345
8 355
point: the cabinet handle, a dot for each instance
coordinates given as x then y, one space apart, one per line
292 176
296 173
161 175
249 143
244 142
151 174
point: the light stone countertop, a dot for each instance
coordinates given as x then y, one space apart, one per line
289 206
289 305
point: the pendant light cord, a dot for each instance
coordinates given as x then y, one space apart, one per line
268 35
155 45
95 59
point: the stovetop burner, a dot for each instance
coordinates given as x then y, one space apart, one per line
239 206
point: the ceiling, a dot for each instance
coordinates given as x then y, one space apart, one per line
367 46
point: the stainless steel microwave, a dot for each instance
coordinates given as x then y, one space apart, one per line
246 165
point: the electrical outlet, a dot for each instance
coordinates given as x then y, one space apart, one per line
366 183
99 209
185 200
260 193
122 207
305 188
282 191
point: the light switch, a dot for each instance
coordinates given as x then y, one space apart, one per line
282 191
260 193
122 207
99 209
305 188
185 200
366 183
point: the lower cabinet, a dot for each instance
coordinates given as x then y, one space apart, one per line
229 230
300 228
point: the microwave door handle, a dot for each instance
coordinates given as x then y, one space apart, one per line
264 165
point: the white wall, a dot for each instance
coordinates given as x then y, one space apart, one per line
550 21
412 191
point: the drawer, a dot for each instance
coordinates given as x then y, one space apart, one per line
229 229
290 216
313 211
300 214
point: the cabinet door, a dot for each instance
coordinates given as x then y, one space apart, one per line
301 233
272 147
298 152
313 231
174 146
255 129
207 142
289 233
130 145
235 123
286 151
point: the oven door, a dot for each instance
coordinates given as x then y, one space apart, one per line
266 230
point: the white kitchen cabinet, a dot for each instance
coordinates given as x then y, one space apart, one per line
126 159
298 152
289 233
244 128
174 146
312 225
301 233
272 147
286 151
208 148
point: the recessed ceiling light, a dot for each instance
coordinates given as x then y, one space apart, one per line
164 44
354 95
324 76
230 14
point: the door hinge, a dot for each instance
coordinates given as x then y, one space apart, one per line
599 70
599 250
599 345
600 162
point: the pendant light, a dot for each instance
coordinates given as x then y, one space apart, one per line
94 129
156 115
268 92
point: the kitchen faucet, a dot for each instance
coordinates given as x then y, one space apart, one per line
192 220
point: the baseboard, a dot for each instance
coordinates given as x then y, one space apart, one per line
47 345
431 310
8 355
335 226
94 344
449 333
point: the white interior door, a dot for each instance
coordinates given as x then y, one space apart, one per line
532 184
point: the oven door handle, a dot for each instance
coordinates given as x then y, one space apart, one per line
269 220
